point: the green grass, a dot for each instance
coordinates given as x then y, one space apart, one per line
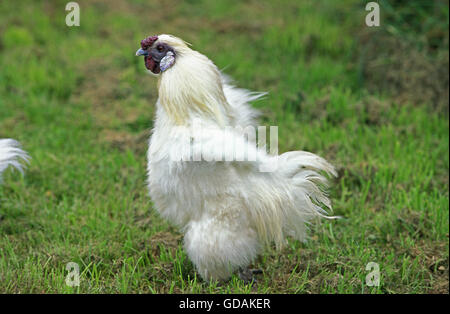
82 106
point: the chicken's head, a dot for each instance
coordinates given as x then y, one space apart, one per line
188 82
158 54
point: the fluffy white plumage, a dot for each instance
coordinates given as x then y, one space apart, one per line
10 155
227 210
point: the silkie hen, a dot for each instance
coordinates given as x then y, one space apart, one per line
10 155
227 207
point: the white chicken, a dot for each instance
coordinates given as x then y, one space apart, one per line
228 208
10 155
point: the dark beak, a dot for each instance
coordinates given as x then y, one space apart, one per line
141 52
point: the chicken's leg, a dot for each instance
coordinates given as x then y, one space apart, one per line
248 274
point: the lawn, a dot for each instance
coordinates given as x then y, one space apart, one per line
373 101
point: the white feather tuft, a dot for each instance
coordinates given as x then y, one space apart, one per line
240 99
11 154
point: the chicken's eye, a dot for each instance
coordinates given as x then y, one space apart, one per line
160 48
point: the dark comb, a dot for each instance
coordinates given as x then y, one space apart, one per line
147 42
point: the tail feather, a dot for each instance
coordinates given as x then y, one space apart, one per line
11 154
295 197
293 162
305 172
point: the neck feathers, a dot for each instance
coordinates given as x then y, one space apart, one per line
193 88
